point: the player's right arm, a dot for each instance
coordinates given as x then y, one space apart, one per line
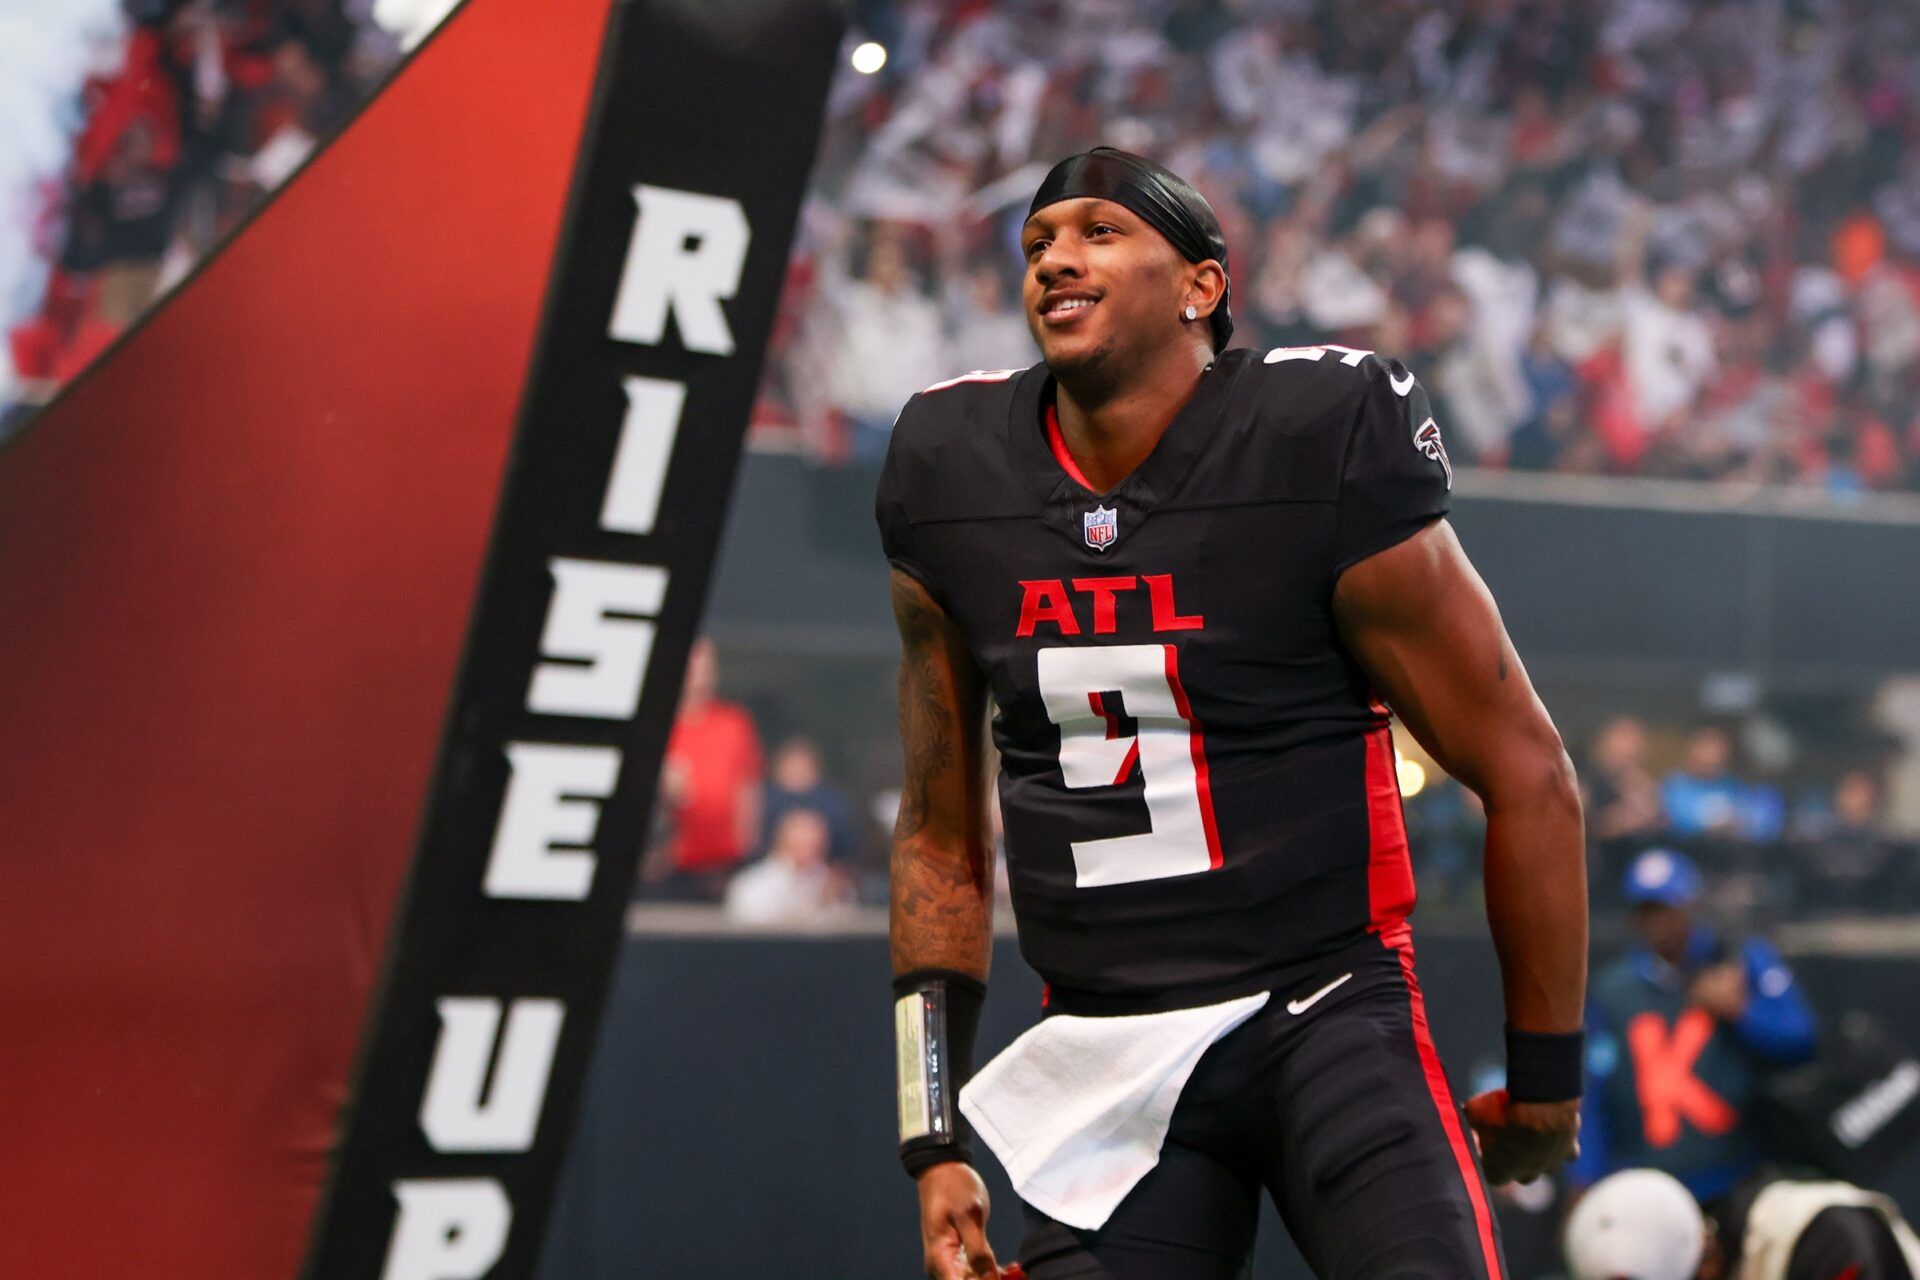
941 903
941 913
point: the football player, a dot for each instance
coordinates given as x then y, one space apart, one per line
1195 583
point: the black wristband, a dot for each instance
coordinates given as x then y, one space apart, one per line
1545 1066
936 1014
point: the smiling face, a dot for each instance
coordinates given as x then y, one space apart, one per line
1103 289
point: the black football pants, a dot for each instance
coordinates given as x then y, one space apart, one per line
1341 1113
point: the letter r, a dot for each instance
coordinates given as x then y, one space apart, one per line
686 256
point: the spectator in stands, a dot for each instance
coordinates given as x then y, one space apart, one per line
986 330
1856 807
1849 864
1704 797
126 180
1704 220
1623 801
1446 824
1551 430
889 342
1680 1031
795 882
1666 343
796 779
210 106
709 786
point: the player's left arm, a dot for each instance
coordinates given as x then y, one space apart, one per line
1424 627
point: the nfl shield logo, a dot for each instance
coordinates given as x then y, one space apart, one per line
1102 526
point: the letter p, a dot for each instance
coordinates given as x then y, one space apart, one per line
447 1229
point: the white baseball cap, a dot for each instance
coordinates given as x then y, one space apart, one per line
1640 1224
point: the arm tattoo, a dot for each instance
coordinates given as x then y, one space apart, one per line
927 730
942 872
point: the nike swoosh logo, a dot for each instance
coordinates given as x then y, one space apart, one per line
1400 388
1301 1006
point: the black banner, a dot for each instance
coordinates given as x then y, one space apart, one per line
704 125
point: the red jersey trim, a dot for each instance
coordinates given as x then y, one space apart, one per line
1058 443
1390 891
1203 782
1390 898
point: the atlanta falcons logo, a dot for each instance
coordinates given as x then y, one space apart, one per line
1426 438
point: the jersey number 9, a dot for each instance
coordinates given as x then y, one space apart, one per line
1093 693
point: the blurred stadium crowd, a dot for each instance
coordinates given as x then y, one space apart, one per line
188 113
1627 236
1780 830
1649 237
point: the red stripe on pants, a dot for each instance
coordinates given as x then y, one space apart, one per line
1402 944
1390 897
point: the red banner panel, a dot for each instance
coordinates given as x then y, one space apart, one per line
237 561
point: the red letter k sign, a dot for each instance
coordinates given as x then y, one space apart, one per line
1663 1074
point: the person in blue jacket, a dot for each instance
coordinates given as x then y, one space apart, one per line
1681 1032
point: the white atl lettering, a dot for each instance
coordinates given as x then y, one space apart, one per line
542 846
596 623
455 1116
447 1229
686 256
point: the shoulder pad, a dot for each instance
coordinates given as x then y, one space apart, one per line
976 375
1340 373
948 456
950 407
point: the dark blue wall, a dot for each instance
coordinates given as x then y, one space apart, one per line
1672 585
739 1116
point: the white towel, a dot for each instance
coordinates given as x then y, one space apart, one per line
1077 1108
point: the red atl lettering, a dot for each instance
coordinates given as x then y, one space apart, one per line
1045 600
1165 616
1103 591
1663 1076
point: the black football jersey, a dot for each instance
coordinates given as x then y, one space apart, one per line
1197 780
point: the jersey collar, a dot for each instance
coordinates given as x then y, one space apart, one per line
1053 479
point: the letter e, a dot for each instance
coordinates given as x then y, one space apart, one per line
538 820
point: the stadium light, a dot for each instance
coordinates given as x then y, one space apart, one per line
869 56
1412 776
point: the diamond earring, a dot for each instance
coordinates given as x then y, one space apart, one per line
1192 312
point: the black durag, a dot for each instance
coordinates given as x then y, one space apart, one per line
1162 199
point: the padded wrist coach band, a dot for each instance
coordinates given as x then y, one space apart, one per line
936 1013
1544 1066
